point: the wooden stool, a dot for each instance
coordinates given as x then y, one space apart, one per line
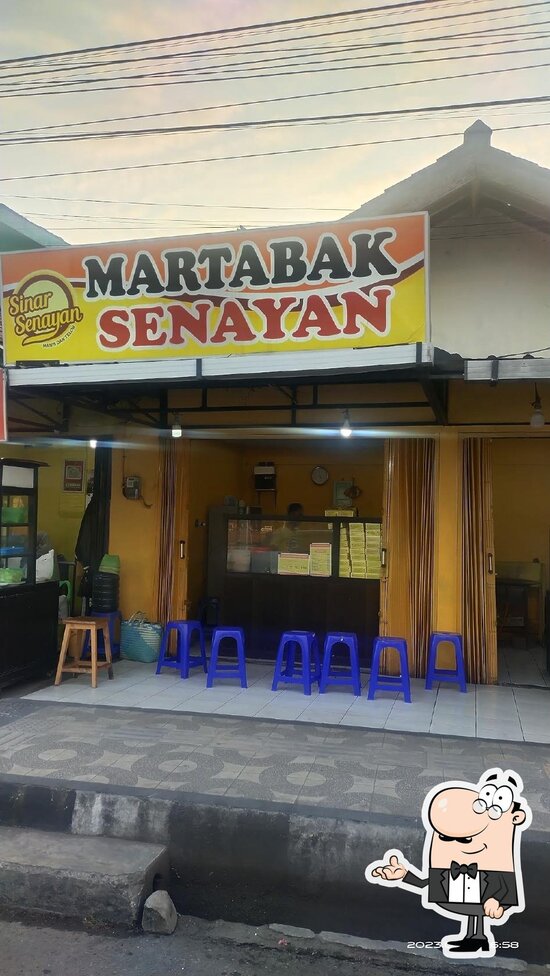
82 626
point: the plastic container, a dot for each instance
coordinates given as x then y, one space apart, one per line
14 516
263 560
238 560
105 589
10 576
110 564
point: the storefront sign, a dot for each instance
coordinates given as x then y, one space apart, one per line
322 286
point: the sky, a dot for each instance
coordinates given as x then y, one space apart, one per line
260 191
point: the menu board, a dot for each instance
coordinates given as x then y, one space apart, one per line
372 549
320 559
293 564
360 550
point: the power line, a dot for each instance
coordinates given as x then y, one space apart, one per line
262 101
228 31
356 29
266 62
309 119
250 77
144 203
175 130
259 155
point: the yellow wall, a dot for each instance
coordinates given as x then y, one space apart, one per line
359 460
215 470
521 499
521 503
134 529
59 512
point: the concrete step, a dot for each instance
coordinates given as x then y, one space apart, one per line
95 879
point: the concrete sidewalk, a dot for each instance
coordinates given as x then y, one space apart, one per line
500 712
332 769
263 820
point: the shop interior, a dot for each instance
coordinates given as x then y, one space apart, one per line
315 474
315 570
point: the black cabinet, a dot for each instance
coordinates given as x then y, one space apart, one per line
28 631
28 610
265 607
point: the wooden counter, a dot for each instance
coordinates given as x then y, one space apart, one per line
28 631
265 605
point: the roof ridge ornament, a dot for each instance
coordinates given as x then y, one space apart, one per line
478 135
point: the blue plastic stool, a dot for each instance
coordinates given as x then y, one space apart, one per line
285 664
112 618
184 630
456 674
237 670
331 675
390 682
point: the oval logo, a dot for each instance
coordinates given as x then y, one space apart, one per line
43 310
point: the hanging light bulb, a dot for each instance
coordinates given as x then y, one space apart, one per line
345 429
537 417
92 443
176 430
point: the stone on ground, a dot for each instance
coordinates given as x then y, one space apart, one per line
159 914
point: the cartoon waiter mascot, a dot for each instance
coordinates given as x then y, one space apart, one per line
471 866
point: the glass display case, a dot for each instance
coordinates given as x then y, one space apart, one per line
18 519
268 574
28 610
330 547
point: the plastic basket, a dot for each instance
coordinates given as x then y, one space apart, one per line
140 639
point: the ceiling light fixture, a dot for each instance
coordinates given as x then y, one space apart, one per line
93 443
176 430
345 429
537 417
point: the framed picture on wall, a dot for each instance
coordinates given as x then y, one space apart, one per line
340 499
73 476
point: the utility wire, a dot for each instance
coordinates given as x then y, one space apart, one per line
306 119
259 155
171 204
262 101
210 70
231 52
33 136
198 74
228 31
249 77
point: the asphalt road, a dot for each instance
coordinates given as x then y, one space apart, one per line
199 948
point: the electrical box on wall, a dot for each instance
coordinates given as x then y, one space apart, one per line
131 487
265 477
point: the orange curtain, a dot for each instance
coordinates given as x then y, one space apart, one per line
478 576
165 573
408 541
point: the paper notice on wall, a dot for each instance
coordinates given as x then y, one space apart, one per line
292 564
320 559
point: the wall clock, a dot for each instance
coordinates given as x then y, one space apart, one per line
319 475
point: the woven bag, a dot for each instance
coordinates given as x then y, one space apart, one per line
140 639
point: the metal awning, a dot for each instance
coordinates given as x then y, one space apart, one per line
335 362
484 370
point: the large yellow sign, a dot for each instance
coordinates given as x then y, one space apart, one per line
323 286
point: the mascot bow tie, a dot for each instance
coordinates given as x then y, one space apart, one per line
469 869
